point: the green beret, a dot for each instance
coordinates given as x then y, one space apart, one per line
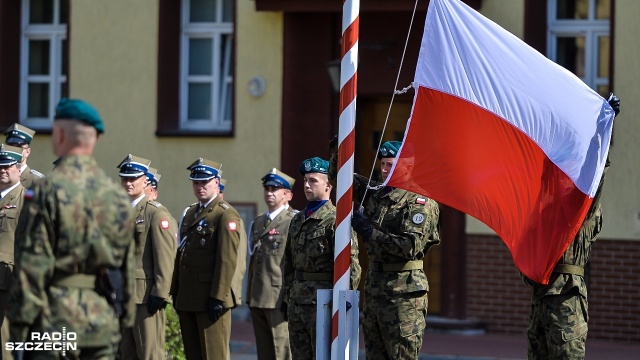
389 149
76 109
314 165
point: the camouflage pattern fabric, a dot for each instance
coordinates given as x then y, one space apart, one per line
75 221
559 311
309 249
394 325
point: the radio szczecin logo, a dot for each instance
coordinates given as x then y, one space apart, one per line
46 341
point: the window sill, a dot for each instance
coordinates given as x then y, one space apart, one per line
193 133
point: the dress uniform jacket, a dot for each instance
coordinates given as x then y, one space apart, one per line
268 243
28 176
75 224
207 257
155 250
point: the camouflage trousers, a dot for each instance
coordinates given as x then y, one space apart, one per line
394 325
302 331
558 327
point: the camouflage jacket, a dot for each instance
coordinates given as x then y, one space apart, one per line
75 221
577 253
405 226
310 247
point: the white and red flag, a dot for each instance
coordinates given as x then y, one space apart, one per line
500 132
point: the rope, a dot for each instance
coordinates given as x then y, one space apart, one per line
395 91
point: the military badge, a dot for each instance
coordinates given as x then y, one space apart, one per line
139 221
274 232
417 219
164 224
421 201
232 225
202 241
9 206
384 152
307 165
29 194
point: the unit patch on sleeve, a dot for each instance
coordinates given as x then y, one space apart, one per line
164 224
232 226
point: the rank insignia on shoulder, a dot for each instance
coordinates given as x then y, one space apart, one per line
232 225
9 206
29 194
421 201
139 221
224 206
164 224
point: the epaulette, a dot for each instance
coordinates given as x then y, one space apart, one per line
224 205
37 173
154 203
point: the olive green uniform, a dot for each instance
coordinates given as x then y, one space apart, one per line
10 206
76 224
155 255
28 176
559 311
308 266
264 290
205 267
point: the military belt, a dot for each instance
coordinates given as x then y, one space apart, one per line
569 269
397 267
83 281
314 276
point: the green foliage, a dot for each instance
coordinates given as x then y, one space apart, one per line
173 337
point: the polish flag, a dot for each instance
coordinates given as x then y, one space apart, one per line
500 132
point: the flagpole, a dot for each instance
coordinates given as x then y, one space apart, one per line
344 186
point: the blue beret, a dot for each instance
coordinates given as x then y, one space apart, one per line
18 135
76 109
389 149
10 155
277 178
133 166
203 169
314 165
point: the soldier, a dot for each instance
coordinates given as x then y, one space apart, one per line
264 290
74 261
398 228
21 136
11 198
153 178
155 254
308 262
558 315
205 285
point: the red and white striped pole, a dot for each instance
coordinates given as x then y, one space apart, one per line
346 141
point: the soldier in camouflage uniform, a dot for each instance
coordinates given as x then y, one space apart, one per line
74 261
155 254
21 136
11 199
398 228
559 311
308 262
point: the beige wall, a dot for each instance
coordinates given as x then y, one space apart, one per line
113 64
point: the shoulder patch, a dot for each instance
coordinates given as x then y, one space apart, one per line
421 200
232 225
164 224
29 194
37 173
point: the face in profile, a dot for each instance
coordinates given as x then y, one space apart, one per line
316 186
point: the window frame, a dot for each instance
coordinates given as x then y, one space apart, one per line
56 33
591 29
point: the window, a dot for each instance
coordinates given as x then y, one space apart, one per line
205 66
579 39
43 61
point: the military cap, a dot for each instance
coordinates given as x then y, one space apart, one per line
277 178
314 165
223 183
10 155
18 135
76 109
389 149
133 166
153 177
203 169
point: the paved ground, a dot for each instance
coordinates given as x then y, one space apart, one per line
438 346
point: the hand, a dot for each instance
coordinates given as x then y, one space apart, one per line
215 308
284 308
361 225
614 101
155 303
